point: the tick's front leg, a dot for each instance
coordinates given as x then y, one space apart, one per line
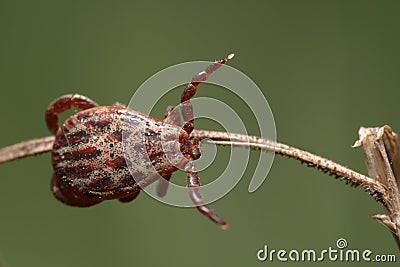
193 183
190 90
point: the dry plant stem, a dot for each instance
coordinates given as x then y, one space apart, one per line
26 148
374 187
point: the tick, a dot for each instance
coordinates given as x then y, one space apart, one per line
96 149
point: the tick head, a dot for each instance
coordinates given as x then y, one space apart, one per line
190 148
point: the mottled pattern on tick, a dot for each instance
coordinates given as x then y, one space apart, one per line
111 150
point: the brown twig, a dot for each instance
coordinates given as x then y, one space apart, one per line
26 148
375 187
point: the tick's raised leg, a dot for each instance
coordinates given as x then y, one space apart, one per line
64 103
193 182
190 90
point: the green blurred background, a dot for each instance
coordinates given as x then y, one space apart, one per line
326 68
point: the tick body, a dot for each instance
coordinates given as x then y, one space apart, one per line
89 157
112 152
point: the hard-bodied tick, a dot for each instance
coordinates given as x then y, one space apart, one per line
95 149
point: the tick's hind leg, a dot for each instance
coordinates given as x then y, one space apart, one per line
193 183
64 103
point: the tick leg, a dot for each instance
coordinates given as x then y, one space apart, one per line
193 183
64 103
162 185
171 116
190 90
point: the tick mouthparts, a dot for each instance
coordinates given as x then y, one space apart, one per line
230 56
